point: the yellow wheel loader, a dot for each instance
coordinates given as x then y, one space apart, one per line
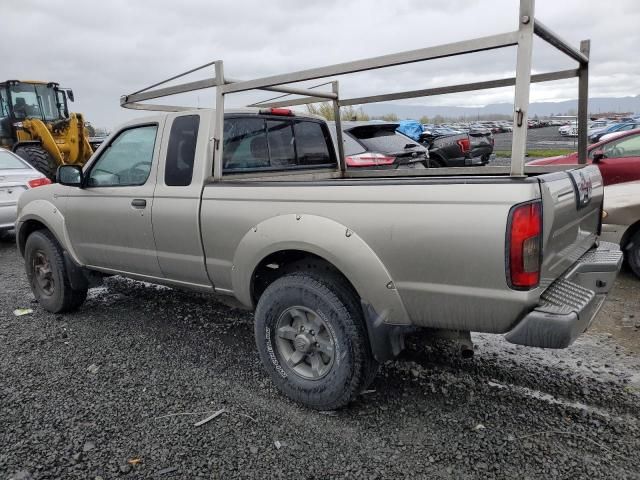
36 124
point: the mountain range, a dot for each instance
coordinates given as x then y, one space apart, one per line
542 109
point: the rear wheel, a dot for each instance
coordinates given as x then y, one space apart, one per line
39 158
47 274
632 252
312 340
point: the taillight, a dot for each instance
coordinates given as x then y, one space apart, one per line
369 159
277 111
38 182
465 144
524 245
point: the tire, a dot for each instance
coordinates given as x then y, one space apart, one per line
435 162
310 298
47 274
38 158
485 158
632 253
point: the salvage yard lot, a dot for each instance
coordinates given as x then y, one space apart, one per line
121 379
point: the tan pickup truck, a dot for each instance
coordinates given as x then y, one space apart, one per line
336 269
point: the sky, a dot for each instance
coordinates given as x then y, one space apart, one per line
103 50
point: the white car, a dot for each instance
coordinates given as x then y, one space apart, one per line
16 176
570 130
621 220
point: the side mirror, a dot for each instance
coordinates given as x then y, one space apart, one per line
598 155
70 95
70 175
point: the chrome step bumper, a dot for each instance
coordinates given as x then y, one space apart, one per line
569 305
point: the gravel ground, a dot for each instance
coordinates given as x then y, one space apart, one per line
114 390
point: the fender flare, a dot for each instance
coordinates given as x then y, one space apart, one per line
50 216
327 239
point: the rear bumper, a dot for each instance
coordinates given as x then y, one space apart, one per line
569 305
8 212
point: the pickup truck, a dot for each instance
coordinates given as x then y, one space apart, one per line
336 268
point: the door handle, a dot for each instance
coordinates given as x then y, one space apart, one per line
138 203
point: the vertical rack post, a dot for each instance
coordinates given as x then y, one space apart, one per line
219 126
523 84
583 103
338 123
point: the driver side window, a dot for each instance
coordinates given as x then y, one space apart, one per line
127 160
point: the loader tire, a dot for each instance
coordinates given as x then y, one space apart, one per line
39 159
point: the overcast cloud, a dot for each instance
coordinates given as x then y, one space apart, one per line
106 49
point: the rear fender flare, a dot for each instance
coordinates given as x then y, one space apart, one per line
333 242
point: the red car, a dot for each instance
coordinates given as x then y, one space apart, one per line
618 158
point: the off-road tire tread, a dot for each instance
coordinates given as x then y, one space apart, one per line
632 253
351 320
38 158
72 298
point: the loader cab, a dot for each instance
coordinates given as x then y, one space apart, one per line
24 100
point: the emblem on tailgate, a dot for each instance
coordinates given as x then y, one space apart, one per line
583 186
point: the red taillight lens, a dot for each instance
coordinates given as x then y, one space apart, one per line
369 159
465 144
277 111
38 182
524 239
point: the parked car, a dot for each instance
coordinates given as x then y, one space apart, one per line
378 145
618 158
615 128
621 221
482 142
569 130
16 176
453 150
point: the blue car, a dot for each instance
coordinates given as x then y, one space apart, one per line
616 127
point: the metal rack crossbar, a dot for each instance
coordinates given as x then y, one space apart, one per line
522 39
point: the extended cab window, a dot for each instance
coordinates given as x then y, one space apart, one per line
127 159
257 143
181 151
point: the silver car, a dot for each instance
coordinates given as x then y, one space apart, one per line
16 176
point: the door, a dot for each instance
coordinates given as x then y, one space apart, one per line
176 203
109 220
621 162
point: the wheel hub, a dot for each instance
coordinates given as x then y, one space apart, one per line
42 273
305 343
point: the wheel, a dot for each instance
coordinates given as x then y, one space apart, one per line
632 253
485 158
312 340
47 274
39 158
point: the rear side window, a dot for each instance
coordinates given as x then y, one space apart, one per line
381 139
258 143
181 151
312 144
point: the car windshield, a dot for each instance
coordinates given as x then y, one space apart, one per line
34 101
9 161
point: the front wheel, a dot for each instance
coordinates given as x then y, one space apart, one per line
47 274
312 340
39 158
632 253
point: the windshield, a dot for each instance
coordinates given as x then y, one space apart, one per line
34 101
10 162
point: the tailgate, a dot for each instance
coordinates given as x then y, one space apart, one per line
572 202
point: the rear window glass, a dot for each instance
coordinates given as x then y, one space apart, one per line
265 143
312 144
181 151
381 140
10 162
280 139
